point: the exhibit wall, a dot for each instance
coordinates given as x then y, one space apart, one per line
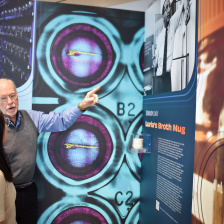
164 170
83 172
55 53
169 104
17 55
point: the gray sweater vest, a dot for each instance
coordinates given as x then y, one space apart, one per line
21 150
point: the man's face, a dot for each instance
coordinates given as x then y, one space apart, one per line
8 98
167 12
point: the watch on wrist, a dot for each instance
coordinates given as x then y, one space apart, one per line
80 108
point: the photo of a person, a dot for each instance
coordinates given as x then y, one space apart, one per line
170 31
163 57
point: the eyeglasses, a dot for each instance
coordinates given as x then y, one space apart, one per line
4 99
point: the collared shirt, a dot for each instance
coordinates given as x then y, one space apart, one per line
52 122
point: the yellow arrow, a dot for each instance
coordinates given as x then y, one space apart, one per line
70 145
74 52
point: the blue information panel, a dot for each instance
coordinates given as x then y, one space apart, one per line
169 108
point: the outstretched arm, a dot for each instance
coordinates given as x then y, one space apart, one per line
54 121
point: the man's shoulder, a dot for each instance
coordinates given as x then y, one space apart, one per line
30 112
22 113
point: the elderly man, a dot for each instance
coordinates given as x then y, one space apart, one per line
165 45
21 145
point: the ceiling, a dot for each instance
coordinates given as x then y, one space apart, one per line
135 5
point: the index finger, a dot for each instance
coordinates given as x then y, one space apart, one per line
93 90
